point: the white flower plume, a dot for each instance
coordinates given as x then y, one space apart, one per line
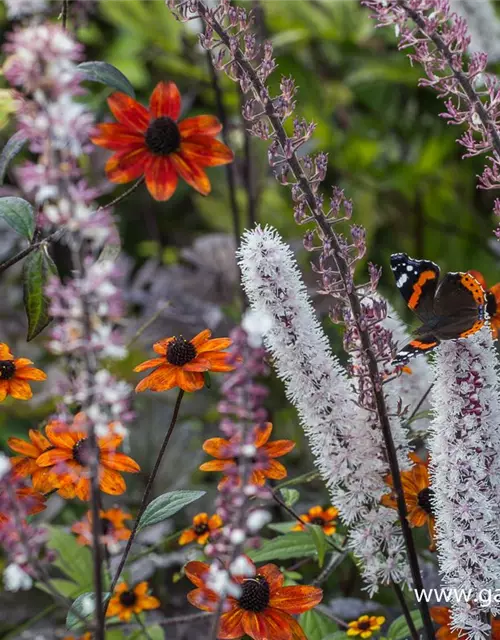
465 464
348 451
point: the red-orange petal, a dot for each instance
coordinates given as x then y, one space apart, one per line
216 465
262 433
230 625
165 101
161 346
111 482
39 440
273 575
161 178
120 462
275 470
198 364
254 625
217 344
21 446
200 339
206 151
126 166
296 599
193 174
278 448
218 361
4 388
190 381
116 136
204 125
149 364
20 389
30 373
187 536
196 572
162 379
63 439
277 624
129 112
217 447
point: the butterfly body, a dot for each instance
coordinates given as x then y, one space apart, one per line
450 308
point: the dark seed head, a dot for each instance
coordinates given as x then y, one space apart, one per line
128 598
163 136
424 500
491 304
7 369
201 528
180 352
255 594
364 626
106 526
318 520
81 452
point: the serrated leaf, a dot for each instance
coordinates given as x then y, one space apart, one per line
320 543
167 505
72 559
19 215
290 496
38 269
12 147
291 545
82 609
399 628
316 626
105 73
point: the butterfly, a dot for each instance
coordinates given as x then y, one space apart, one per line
454 307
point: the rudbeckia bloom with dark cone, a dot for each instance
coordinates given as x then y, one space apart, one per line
24 465
365 626
265 607
151 143
264 464
15 374
70 458
418 495
113 528
492 302
201 529
127 601
183 362
325 518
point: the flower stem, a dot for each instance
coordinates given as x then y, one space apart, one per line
406 612
147 492
33 247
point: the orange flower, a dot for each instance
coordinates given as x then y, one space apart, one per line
492 302
183 362
418 495
152 143
14 375
202 529
126 601
266 452
70 451
442 616
112 526
86 636
34 502
325 519
25 465
265 607
365 626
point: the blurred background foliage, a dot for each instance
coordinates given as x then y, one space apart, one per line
388 149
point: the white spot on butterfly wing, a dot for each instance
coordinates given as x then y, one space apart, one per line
409 267
403 279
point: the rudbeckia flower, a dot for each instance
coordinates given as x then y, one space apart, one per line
33 502
264 463
113 528
442 616
326 519
183 362
492 302
24 465
201 529
418 495
365 626
14 375
265 607
70 457
152 143
127 601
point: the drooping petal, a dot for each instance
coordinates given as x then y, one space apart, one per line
149 364
217 447
120 462
23 466
190 380
254 625
198 364
230 625
82 489
109 443
295 628
20 389
219 361
30 373
296 599
39 440
206 151
277 624
19 363
262 433
204 125
125 166
161 178
200 339
116 136
186 537
111 482
273 575
4 386
217 465
45 480
165 101
217 344
275 470
162 379
278 448
193 174
204 599
5 353
196 571
60 438
25 448
129 112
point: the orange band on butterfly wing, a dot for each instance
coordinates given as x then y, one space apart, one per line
422 345
475 287
417 287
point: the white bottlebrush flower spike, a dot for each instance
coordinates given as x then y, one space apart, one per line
465 465
348 452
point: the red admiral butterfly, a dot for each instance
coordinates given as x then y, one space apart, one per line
454 308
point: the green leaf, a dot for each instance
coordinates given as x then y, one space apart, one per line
167 505
319 540
11 148
290 496
305 477
154 633
72 559
38 268
282 527
19 215
316 626
399 628
338 635
82 609
107 74
297 544
67 588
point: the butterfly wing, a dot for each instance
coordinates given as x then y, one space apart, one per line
423 344
417 281
459 306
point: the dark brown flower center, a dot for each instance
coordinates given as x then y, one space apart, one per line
201 528
180 352
364 626
318 520
255 594
491 304
7 369
106 526
128 598
424 500
82 452
163 136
